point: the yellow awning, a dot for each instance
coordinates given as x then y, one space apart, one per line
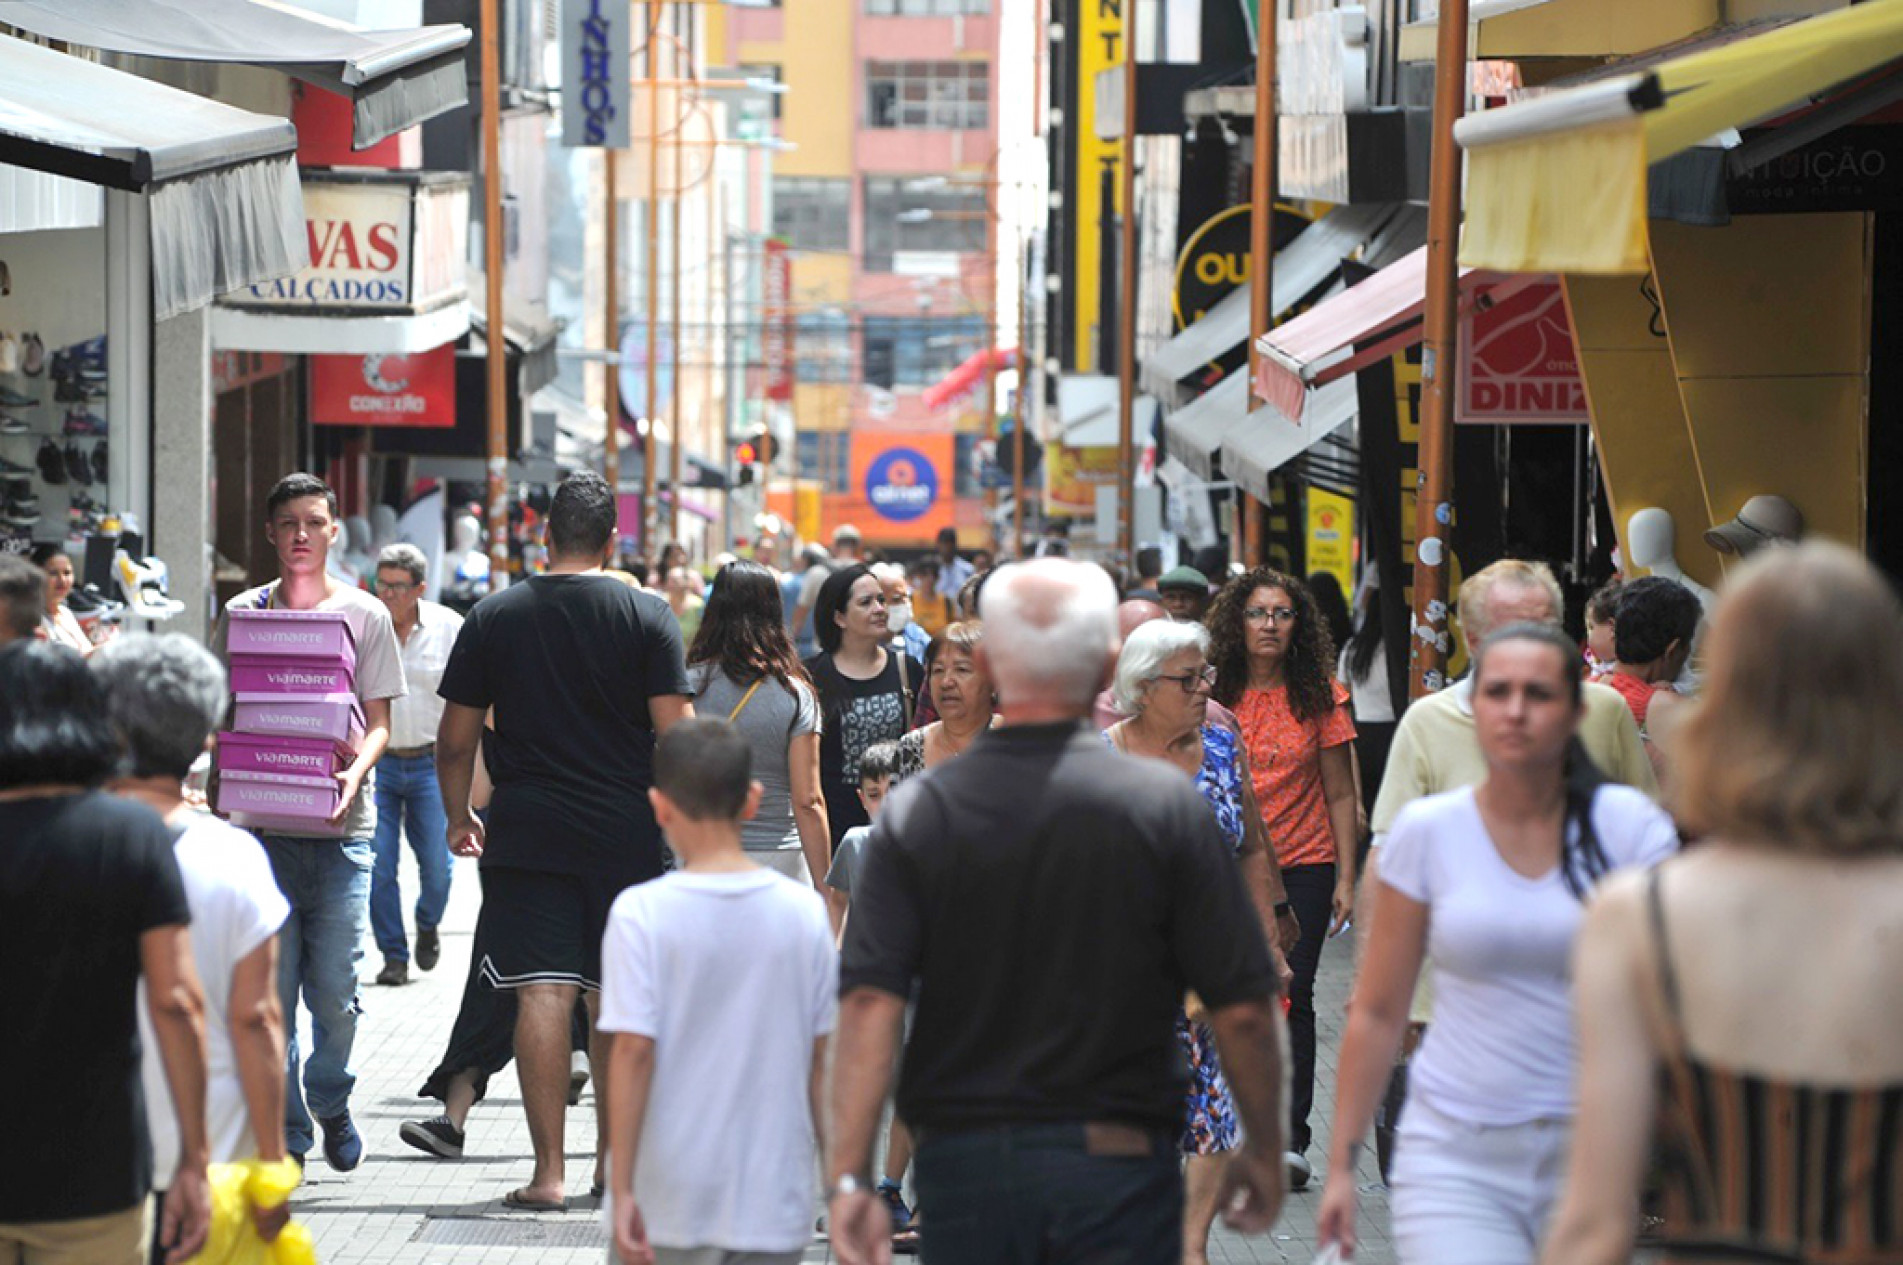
1517 30
1558 183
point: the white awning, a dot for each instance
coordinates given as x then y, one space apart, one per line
1088 410
1267 440
1301 267
395 79
300 333
1194 434
220 182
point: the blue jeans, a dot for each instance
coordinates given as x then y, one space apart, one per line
327 882
408 803
1037 1195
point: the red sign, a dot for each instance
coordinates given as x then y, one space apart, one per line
1517 363
416 391
776 322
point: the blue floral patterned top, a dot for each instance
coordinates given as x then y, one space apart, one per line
1220 781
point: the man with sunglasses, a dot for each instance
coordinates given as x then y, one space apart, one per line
409 801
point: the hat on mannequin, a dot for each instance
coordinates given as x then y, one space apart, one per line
1765 519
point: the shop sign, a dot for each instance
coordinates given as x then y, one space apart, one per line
381 246
597 47
901 485
1215 258
1099 47
776 323
1072 477
1518 363
901 490
1331 535
414 392
1850 169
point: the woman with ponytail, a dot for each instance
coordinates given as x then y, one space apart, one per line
1491 882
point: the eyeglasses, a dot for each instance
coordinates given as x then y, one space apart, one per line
400 586
1263 614
1193 681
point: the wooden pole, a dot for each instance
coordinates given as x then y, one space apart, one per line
611 331
1127 307
650 450
1261 239
497 351
1433 508
677 439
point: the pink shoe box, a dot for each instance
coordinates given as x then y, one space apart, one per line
280 674
301 799
296 827
292 635
333 717
278 754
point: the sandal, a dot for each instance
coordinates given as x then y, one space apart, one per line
518 1199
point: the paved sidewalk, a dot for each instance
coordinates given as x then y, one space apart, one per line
401 1206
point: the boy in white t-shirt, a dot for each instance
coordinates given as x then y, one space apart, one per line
719 983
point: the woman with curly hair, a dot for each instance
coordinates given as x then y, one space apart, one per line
1274 664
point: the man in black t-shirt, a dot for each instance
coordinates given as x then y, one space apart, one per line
1048 901
582 673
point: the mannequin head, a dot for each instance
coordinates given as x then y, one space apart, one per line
464 534
1650 533
383 527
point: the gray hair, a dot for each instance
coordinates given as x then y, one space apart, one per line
406 556
1049 626
165 694
1145 651
1476 595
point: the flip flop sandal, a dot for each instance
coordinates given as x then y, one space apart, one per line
517 1200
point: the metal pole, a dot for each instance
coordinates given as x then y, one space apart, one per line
1261 238
1433 506
650 451
1127 314
991 336
675 435
497 363
1024 409
706 339
611 333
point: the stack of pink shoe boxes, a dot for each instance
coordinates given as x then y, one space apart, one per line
297 723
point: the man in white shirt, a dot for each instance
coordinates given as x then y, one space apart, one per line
953 570
408 798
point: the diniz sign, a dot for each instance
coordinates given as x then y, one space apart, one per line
776 322
597 48
382 246
415 392
1517 361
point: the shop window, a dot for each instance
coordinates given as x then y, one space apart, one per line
812 213
823 348
918 351
913 215
928 94
769 71
826 457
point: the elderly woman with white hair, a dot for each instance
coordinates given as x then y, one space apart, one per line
1162 685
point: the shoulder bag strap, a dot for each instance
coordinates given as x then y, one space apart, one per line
744 700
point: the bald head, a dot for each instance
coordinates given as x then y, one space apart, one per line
1050 632
1135 613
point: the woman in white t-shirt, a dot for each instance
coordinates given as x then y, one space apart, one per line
1491 883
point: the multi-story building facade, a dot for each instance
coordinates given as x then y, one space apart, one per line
887 203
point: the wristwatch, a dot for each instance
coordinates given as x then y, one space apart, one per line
848 1185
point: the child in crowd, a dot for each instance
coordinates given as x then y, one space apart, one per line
878 767
1602 609
718 987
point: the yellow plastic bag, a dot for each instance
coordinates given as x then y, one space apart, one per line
235 1190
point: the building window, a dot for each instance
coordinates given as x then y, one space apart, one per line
926 215
928 94
825 456
965 481
918 351
812 213
753 105
926 8
822 348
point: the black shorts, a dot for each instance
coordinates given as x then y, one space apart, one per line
540 928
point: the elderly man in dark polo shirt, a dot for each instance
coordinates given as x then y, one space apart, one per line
1048 900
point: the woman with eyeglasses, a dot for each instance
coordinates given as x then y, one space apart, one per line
866 691
1162 686
1275 664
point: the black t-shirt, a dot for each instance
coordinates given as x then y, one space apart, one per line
1052 899
855 715
82 877
569 663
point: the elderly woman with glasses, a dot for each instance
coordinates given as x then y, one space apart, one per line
1162 686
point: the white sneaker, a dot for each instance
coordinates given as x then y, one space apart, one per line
577 1077
1299 1170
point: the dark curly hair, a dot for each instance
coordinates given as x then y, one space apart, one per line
743 629
1310 670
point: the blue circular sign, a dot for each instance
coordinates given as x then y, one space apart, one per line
901 485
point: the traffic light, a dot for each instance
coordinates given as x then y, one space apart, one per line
745 453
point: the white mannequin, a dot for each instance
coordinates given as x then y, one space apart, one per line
1650 532
356 544
383 530
465 559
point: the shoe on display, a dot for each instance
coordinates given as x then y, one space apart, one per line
24 503
9 353
81 421
429 948
14 468
144 584
13 399
32 356
99 462
52 464
11 425
1299 1170
77 467
343 1149
433 1137
90 603
74 391
12 517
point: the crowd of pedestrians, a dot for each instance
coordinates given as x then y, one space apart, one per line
996 900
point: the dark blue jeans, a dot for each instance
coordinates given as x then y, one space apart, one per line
1311 893
1035 1195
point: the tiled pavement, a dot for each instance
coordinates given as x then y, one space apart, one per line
401 1206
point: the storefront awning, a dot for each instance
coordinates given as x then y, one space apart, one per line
1194 434
1089 411
1301 268
1516 30
395 79
1267 441
530 333
1559 183
220 183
